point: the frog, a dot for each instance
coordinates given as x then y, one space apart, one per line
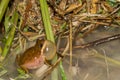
36 56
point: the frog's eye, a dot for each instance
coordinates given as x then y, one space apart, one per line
49 50
40 45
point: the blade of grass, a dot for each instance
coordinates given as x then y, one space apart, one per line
9 40
62 71
49 33
0 50
46 20
3 6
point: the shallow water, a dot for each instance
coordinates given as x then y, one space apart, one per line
85 66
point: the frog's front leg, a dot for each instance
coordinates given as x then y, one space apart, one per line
24 68
48 62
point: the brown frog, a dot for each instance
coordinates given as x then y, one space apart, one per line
36 56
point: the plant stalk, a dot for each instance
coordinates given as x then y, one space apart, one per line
49 33
3 6
9 40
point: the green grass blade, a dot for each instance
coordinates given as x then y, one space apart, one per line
48 30
46 20
9 40
62 72
3 6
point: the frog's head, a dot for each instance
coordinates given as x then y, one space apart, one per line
39 43
48 48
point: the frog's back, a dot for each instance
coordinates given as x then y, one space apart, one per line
29 55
